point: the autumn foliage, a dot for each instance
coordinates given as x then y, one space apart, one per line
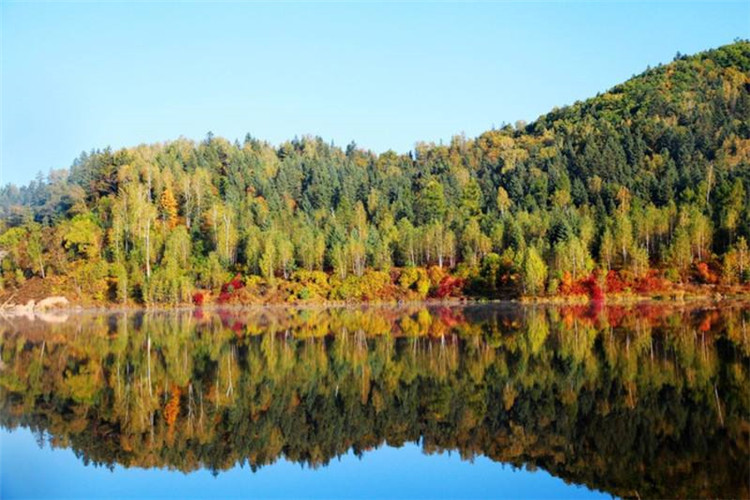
530 211
450 286
229 289
172 408
704 274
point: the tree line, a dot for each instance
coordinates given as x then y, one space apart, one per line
647 181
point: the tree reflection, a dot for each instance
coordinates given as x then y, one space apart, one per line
643 401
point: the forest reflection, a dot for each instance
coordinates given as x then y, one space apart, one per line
644 401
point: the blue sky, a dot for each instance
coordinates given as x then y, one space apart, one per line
77 76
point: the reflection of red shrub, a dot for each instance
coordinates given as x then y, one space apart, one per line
578 312
650 313
198 299
708 321
449 317
616 315
705 325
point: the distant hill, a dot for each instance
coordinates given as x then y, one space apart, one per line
649 180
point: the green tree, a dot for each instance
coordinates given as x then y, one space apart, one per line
83 236
35 248
534 272
431 202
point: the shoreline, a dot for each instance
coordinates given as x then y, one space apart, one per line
15 310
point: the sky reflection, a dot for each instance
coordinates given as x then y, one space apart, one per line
27 471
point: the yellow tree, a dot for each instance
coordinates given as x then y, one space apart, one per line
169 207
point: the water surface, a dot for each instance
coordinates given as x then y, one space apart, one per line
470 402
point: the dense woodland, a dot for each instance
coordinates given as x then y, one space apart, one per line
638 189
642 402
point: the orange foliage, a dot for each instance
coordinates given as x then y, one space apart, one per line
583 286
450 318
450 286
651 282
704 273
169 207
172 408
708 320
614 282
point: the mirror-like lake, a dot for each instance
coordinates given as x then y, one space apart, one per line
474 402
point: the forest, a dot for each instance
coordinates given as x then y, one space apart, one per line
639 190
642 402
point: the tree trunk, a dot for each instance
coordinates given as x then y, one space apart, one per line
148 248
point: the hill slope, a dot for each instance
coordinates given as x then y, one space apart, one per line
651 174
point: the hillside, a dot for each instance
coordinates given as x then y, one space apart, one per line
640 189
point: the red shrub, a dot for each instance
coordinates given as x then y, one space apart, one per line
583 286
570 287
614 283
449 286
651 282
704 273
198 299
228 289
595 291
235 284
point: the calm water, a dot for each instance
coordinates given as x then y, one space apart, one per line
475 402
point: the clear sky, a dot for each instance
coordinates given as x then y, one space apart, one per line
78 76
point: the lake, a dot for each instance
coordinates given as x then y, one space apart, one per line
480 401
